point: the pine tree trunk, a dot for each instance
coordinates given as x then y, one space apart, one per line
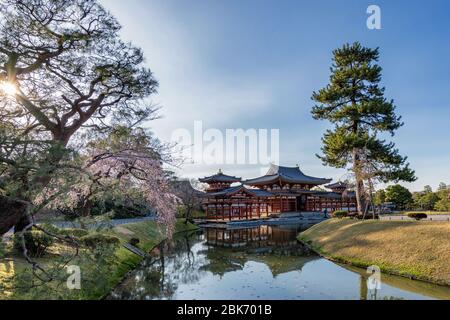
360 201
12 213
23 222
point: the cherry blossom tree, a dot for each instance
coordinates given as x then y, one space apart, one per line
130 159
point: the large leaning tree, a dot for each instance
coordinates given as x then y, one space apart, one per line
354 103
67 78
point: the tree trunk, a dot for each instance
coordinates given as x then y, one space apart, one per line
187 215
12 213
23 222
86 208
360 200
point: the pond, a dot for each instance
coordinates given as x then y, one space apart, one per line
264 262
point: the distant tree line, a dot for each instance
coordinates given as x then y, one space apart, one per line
425 200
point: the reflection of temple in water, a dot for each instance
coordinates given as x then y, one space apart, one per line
259 237
274 246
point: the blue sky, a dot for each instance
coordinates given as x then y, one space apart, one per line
255 63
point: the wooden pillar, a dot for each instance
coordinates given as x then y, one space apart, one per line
259 209
218 213
240 212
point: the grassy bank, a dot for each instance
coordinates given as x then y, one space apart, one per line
419 250
100 273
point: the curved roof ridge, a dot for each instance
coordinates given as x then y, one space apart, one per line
338 184
241 187
220 177
289 174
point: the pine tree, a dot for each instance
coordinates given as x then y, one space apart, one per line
354 102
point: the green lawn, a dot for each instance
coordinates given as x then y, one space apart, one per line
99 276
409 248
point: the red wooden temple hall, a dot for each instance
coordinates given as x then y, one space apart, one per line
281 190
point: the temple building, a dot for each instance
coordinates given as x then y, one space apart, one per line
281 190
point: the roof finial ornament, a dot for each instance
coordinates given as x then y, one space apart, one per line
297 165
220 171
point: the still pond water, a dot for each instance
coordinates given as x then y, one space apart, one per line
265 262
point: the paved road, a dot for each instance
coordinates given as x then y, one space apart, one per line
434 217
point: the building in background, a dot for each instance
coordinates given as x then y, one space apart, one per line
280 190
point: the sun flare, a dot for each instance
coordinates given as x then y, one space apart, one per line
8 88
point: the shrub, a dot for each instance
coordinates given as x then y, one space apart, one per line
99 240
417 215
198 214
36 241
368 216
74 232
134 241
2 250
340 214
119 209
71 232
50 228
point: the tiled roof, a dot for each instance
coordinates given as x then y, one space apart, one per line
233 190
336 185
330 195
220 177
334 195
286 175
